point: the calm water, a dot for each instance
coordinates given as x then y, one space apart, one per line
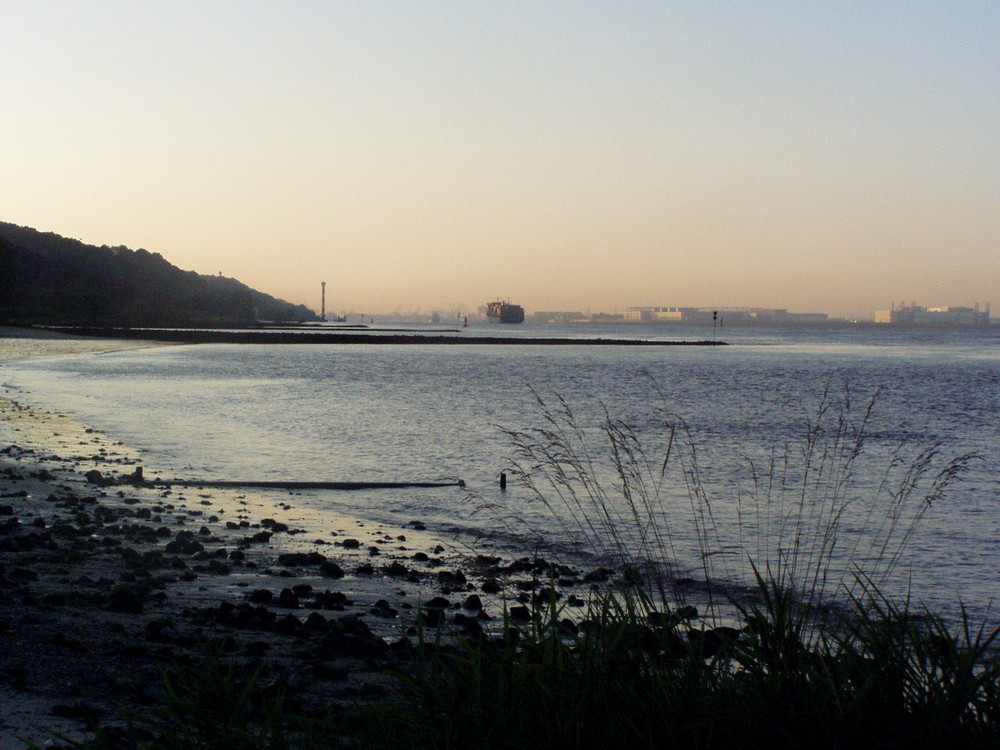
400 413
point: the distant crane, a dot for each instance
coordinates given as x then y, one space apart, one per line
322 314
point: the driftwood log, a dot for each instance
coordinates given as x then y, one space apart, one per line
281 485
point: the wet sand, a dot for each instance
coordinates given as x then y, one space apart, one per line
104 582
19 343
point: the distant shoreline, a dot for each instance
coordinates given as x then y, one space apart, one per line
202 336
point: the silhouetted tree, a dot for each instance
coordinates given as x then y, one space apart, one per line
48 279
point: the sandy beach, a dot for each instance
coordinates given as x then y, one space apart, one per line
19 343
105 581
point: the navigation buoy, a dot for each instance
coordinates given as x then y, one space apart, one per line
503 480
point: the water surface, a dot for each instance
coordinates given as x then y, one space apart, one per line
400 413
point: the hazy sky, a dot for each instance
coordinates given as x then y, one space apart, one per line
819 156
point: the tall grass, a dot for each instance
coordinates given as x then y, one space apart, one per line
820 653
870 672
811 516
882 677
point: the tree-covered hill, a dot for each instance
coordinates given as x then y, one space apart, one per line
48 279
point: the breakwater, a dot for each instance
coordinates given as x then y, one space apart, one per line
206 336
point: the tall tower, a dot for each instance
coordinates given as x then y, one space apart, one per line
322 314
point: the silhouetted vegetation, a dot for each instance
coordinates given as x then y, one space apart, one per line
808 656
51 280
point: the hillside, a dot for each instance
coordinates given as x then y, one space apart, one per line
52 280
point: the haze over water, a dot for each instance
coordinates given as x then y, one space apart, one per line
819 157
416 413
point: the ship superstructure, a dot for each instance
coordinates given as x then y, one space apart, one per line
504 312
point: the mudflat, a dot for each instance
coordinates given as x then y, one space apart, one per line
109 577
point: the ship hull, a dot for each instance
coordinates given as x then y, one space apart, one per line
504 312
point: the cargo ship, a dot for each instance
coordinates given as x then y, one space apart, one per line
504 312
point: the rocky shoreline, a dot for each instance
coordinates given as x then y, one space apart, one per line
107 581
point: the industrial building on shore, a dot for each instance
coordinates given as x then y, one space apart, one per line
912 314
726 315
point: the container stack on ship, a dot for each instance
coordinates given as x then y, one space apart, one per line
504 312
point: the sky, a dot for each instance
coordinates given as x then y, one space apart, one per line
814 156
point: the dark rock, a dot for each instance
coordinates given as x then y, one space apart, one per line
330 569
296 559
519 614
349 645
242 616
330 600
126 599
713 641
686 613
396 569
351 624
598 575
218 568
568 627
661 619
78 710
184 547
451 578
260 596
256 648
431 617
288 599
288 624
55 599
382 608
315 621
275 526
95 477
227 645
350 544
547 595
323 671
473 602
61 639
162 628
403 648
631 575
469 626
521 565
